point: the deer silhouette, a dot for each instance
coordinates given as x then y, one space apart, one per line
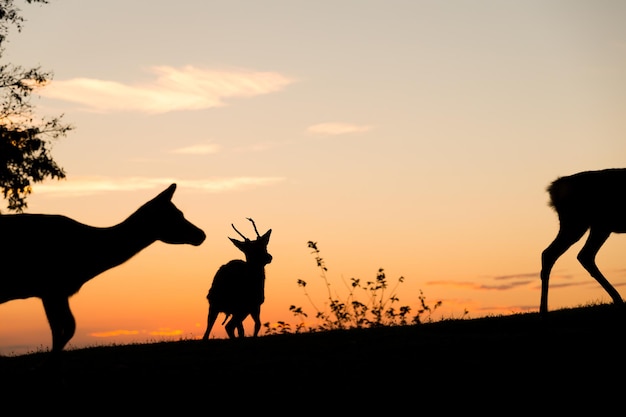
52 256
589 200
238 287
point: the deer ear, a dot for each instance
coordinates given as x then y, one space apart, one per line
168 193
237 243
266 236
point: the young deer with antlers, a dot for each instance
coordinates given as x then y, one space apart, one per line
238 287
51 256
590 200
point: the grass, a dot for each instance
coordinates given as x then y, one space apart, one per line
520 358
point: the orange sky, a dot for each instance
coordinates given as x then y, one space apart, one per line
413 136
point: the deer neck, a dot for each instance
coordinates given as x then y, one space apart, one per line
257 270
124 240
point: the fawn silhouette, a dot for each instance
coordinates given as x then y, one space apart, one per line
238 287
589 200
52 256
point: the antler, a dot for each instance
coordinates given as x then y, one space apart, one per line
255 229
253 224
239 232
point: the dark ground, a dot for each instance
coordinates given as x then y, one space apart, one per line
572 360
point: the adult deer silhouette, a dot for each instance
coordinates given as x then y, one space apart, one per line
590 200
238 287
52 256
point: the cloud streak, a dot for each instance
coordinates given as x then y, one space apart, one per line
334 129
513 281
469 285
520 280
115 333
173 89
167 332
96 185
200 149
533 275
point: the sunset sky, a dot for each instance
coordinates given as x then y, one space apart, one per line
415 136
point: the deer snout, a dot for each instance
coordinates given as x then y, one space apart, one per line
200 237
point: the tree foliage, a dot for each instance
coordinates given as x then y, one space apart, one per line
25 142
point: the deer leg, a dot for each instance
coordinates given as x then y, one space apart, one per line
567 236
236 322
587 258
240 330
256 316
213 313
61 320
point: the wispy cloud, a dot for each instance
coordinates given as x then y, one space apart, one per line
337 128
121 332
478 286
486 310
213 148
186 88
558 280
96 185
533 275
166 332
513 281
200 149
115 333
217 185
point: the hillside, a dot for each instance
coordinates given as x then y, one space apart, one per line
573 354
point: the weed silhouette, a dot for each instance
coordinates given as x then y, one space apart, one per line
379 309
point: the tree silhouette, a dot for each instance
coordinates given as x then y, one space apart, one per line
25 143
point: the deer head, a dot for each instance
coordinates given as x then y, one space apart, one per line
254 250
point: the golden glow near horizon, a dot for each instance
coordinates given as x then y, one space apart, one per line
418 137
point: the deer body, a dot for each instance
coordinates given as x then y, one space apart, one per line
590 200
51 256
238 287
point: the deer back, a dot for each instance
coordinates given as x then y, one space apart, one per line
591 197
